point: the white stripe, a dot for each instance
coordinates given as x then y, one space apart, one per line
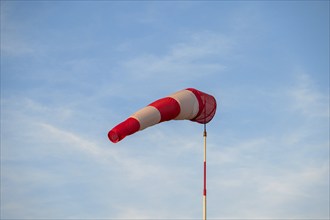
147 116
188 104
204 207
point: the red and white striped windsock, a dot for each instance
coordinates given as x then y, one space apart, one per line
188 104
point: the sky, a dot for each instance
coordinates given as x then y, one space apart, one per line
72 70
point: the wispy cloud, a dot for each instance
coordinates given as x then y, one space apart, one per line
200 55
43 141
283 170
306 99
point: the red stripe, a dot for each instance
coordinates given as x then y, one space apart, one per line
204 191
127 127
168 107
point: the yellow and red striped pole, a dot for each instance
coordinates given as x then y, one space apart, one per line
204 189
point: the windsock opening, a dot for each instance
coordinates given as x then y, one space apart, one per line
207 106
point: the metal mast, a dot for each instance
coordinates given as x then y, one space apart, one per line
204 189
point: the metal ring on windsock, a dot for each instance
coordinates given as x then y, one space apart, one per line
188 104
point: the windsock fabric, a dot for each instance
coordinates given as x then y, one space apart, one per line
188 104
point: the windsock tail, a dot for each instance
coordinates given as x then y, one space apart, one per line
127 127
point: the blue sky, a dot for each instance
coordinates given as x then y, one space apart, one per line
72 70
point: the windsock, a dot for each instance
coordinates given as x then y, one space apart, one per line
188 104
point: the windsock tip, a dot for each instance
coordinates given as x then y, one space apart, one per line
114 138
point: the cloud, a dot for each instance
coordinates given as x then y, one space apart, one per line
258 178
14 43
274 174
306 99
58 160
200 55
12 46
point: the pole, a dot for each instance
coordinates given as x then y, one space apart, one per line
204 189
